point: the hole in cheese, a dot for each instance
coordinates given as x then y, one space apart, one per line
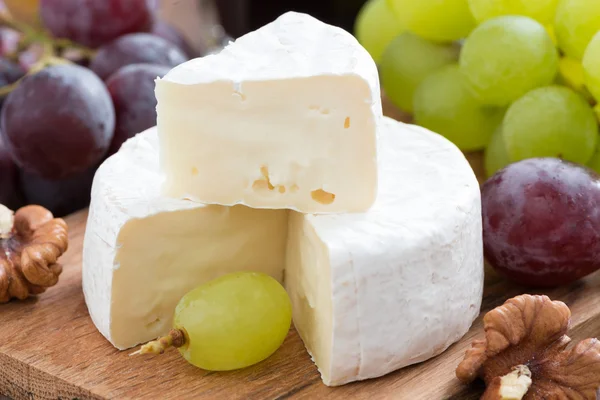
264 183
347 123
323 197
324 111
294 188
241 95
194 171
156 321
281 189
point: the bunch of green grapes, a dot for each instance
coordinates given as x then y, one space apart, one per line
516 78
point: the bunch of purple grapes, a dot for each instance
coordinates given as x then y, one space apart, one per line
59 124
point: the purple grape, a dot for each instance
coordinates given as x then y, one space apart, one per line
10 194
94 23
58 122
541 221
136 48
171 34
9 73
132 92
61 197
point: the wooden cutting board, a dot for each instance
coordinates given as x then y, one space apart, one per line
50 349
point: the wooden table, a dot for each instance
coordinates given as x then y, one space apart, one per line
50 349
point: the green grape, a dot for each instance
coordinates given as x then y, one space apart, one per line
594 162
229 323
571 74
495 156
505 57
552 121
376 25
444 104
591 66
234 321
541 10
441 21
575 23
407 61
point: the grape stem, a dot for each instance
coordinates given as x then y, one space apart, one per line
50 55
48 58
176 338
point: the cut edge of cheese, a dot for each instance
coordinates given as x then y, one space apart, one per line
378 291
284 117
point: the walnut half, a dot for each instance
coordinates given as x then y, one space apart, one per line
31 241
524 354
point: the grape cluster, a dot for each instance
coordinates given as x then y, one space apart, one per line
518 78
76 81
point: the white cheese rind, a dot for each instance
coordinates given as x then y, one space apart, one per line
282 118
399 284
142 251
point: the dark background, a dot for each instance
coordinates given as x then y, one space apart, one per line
242 16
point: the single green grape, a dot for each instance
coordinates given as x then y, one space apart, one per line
575 23
444 104
541 10
232 322
594 162
505 57
591 66
407 61
552 121
436 20
495 156
572 74
376 25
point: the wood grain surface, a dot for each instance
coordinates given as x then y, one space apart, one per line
49 349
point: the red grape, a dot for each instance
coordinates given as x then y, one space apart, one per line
132 92
58 122
541 221
10 194
61 197
9 73
136 48
94 23
171 34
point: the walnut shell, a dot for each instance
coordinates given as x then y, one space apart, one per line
530 331
30 250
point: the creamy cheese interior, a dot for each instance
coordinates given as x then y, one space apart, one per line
270 144
164 256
